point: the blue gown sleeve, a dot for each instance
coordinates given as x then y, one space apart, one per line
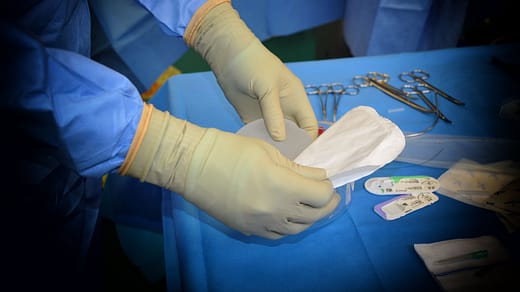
67 101
173 15
89 110
96 109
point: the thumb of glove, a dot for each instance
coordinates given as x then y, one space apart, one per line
273 115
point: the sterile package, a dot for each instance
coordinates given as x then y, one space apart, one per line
470 264
403 205
398 185
356 145
486 186
414 192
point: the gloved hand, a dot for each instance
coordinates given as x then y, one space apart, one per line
244 182
255 81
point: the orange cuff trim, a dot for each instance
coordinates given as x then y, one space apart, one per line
159 82
138 138
196 20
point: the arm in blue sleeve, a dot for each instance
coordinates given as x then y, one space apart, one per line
96 109
173 15
61 99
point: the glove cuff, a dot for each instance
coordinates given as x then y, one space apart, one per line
162 149
197 18
138 138
219 35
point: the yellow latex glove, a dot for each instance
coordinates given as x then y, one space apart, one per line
254 80
244 182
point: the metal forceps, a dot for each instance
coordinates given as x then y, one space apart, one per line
322 92
380 81
414 89
337 90
420 76
325 90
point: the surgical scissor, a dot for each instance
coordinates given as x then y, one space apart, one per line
420 76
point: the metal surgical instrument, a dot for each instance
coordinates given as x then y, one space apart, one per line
322 95
412 89
381 84
336 90
420 76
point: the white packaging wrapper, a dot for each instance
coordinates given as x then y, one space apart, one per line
355 146
470 264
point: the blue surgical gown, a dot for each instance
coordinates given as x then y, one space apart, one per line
66 121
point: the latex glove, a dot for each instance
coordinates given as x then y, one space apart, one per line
244 182
254 80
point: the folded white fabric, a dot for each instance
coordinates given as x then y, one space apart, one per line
355 146
467 264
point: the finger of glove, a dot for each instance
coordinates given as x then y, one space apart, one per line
305 217
314 193
265 233
307 121
310 172
273 115
270 234
303 114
